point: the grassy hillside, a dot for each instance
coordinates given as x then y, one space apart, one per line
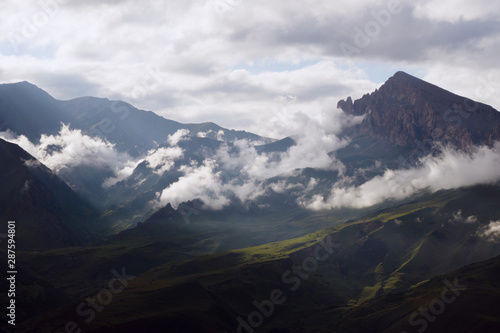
386 252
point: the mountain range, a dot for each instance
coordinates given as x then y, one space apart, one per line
357 229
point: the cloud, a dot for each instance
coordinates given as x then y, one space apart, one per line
242 64
238 171
178 136
273 68
70 148
163 159
457 217
452 169
491 231
456 10
199 182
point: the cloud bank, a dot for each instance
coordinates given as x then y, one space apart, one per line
70 148
246 64
452 169
491 232
239 171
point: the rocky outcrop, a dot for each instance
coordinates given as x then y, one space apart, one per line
409 111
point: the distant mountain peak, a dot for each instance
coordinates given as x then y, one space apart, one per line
24 85
406 110
404 79
400 75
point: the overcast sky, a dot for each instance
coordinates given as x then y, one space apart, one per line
252 65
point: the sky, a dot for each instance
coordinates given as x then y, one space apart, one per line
253 65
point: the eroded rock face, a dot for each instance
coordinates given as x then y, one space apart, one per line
406 110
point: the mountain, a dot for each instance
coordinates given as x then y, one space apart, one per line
407 111
368 267
28 110
48 214
266 262
137 131
466 300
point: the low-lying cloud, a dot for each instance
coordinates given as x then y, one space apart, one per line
71 148
492 231
239 171
452 169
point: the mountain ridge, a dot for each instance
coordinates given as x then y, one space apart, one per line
49 214
129 128
202 269
406 110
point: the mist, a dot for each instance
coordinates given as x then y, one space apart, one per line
451 169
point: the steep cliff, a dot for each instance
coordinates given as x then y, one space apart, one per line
407 111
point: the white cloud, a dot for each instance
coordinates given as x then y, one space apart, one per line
273 68
491 231
121 171
199 182
163 159
238 63
178 136
457 217
450 170
203 134
71 148
455 10
238 170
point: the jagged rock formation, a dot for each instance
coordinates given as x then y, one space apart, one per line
407 110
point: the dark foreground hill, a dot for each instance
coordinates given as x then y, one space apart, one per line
47 212
320 282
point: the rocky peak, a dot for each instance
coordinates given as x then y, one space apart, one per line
406 110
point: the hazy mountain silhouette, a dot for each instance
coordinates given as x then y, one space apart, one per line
28 110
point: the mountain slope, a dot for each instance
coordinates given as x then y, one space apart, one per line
384 252
472 306
47 212
28 110
408 111
197 269
134 130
